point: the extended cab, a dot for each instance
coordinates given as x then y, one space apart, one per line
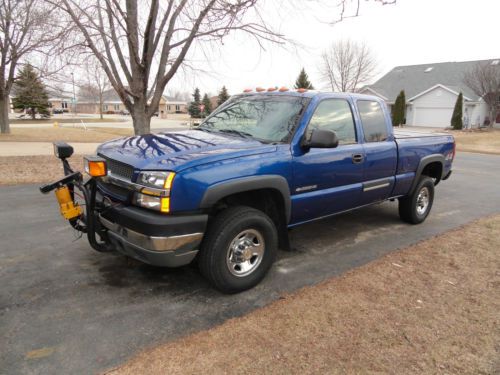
227 192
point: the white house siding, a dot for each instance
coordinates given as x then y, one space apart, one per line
433 109
476 113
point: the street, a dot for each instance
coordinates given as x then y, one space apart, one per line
65 308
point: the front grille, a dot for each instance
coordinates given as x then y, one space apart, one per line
113 191
116 168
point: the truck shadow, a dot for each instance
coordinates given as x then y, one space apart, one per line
313 240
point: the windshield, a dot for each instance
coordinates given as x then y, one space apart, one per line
266 118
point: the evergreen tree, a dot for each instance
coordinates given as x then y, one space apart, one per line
303 82
457 117
30 93
207 105
194 106
398 111
223 96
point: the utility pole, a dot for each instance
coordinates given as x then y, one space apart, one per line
74 97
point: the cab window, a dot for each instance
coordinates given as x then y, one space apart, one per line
336 115
372 120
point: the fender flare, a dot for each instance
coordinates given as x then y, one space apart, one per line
425 161
223 189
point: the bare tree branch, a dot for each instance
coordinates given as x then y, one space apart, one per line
346 65
126 40
484 80
28 28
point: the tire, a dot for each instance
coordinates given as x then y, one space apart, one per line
415 207
238 249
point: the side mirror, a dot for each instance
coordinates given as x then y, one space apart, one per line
320 138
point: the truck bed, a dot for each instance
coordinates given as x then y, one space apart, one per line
413 145
415 133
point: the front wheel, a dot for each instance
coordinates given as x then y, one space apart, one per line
239 248
415 207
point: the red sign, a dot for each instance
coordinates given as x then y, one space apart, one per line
202 107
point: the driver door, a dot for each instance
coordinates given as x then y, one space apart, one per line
328 180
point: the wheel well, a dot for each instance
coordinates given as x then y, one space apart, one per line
270 201
434 170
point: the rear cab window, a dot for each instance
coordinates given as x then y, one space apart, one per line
372 120
335 115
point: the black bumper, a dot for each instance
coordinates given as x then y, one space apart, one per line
153 238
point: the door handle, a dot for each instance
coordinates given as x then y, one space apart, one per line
357 158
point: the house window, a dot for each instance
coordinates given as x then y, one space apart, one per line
117 107
177 107
105 107
168 108
64 105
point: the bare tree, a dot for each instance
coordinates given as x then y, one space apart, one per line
141 48
26 27
484 80
95 84
352 8
346 65
182 96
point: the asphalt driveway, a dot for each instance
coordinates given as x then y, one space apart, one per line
67 309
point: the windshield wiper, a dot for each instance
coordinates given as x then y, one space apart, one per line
237 132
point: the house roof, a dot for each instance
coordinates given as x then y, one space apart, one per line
415 79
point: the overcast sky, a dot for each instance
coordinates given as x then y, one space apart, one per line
410 32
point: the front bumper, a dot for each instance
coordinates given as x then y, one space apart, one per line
157 239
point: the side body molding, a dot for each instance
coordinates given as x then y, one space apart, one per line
426 160
239 185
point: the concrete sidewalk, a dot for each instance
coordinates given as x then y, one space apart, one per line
41 148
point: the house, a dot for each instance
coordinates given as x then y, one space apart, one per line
171 105
112 104
431 91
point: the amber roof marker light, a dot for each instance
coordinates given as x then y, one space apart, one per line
283 89
247 90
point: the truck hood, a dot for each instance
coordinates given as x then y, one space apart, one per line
179 150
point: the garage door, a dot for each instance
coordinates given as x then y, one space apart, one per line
435 117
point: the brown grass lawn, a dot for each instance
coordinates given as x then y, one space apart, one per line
34 169
67 134
484 141
433 308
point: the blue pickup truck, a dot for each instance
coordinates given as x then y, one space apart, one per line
227 192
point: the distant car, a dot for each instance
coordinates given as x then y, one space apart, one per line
124 113
57 111
156 114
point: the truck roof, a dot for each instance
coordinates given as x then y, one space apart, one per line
309 94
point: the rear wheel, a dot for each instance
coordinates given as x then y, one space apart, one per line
415 207
239 248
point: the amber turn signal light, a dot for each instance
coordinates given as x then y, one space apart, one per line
95 166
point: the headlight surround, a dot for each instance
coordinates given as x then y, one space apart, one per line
156 192
156 179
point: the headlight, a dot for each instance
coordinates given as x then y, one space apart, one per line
152 202
156 192
154 179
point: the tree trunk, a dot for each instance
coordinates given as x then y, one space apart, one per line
493 114
101 103
4 114
140 119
